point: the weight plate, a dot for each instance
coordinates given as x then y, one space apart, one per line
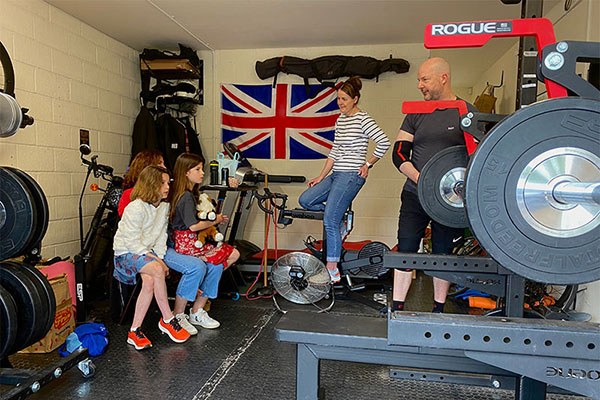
38 292
28 302
374 251
8 322
12 116
48 300
558 140
441 182
16 214
42 213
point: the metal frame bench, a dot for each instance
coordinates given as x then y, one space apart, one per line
365 340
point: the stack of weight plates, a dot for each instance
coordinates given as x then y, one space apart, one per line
27 302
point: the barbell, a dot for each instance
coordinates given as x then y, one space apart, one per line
530 193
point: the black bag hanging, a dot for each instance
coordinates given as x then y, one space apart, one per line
365 67
330 67
268 68
397 65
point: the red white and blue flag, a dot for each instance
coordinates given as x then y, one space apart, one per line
281 122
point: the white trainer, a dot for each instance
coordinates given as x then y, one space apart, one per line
201 318
183 321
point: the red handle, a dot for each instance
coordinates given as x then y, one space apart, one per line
477 33
427 107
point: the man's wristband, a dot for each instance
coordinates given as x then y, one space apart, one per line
369 165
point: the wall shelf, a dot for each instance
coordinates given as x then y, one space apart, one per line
172 69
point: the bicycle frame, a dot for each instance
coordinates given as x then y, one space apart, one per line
108 202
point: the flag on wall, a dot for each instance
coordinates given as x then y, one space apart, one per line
281 122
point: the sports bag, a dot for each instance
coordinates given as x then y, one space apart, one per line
329 67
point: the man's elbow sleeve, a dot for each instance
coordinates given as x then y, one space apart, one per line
401 153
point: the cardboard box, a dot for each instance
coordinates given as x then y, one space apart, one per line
64 320
61 268
60 286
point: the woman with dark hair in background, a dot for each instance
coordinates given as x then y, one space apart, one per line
139 162
334 192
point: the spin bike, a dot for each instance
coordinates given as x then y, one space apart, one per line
93 264
360 261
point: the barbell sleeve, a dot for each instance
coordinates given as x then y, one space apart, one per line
577 193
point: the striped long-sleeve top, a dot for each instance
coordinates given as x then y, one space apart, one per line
352 134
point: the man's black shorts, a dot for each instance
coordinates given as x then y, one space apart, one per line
412 223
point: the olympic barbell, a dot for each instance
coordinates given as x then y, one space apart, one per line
530 193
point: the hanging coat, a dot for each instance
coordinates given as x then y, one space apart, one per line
192 139
144 133
171 134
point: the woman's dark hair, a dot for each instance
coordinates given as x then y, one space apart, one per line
141 161
352 87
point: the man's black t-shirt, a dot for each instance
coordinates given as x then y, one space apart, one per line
432 133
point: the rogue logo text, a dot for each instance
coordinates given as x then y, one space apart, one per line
471 28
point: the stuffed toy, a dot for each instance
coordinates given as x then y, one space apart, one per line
207 211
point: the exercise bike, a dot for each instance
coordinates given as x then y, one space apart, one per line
361 263
93 264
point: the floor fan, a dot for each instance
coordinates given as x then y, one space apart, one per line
301 278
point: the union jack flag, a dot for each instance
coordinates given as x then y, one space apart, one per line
281 122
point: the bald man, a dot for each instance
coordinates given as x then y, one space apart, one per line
421 136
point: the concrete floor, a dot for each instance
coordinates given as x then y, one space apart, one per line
240 360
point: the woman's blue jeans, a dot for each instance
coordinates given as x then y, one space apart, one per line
195 274
333 195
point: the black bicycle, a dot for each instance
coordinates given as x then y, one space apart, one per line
93 264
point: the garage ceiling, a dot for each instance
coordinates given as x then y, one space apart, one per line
254 24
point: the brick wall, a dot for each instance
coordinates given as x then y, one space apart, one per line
70 76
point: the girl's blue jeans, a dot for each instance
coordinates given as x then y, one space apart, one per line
333 195
196 274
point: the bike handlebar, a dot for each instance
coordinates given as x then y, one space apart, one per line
97 168
277 200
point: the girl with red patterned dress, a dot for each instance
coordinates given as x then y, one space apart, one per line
185 224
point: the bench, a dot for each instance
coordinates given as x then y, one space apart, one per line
360 339
532 353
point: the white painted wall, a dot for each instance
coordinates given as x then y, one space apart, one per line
70 76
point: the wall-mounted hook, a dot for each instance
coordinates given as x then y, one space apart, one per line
501 82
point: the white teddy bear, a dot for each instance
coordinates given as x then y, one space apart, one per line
207 212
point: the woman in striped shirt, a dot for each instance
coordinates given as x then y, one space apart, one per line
334 192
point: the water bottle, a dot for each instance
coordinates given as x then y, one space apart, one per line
349 221
214 172
224 176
